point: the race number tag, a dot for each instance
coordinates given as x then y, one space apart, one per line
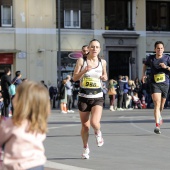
90 82
159 78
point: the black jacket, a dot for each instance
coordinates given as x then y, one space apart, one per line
5 83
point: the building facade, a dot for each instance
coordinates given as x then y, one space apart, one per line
34 34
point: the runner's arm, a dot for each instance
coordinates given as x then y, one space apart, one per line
104 72
78 73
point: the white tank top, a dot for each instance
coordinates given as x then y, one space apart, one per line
91 82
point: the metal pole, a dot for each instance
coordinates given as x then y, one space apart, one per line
59 47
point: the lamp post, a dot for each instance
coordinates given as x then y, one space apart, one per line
59 47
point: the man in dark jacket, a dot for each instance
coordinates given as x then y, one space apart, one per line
120 90
5 83
17 80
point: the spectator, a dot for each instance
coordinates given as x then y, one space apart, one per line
69 88
138 87
112 84
85 50
120 91
5 83
43 82
17 80
63 97
125 92
104 89
136 101
53 95
76 88
132 86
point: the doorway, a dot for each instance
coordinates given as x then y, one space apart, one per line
119 64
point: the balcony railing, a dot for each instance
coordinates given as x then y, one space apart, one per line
158 28
121 26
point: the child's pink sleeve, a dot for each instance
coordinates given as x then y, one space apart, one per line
5 127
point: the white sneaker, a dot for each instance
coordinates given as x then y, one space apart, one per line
72 111
85 154
63 112
99 140
120 109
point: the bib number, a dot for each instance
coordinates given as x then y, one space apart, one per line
89 82
159 78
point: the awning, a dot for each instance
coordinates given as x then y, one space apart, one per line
9 51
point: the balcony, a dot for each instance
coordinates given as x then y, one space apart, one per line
120 26
158 28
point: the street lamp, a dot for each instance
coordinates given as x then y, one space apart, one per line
59 47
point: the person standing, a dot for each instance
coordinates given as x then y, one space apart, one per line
63 96
105 90
112 84
53 95
85 50
159 80
17 80
120 91
91 71
5 83
69 88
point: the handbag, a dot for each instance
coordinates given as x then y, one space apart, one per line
111 91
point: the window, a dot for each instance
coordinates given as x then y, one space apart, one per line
118 15
157 16
6 15
74 14
71 18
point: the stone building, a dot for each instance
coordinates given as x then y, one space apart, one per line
127 30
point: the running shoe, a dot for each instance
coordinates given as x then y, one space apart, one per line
160 120
99 139
85 154
157 130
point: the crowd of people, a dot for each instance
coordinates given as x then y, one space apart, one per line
128 94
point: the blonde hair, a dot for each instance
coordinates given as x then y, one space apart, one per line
130 82
32 104
111 81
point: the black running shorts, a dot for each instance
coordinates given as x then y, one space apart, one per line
160 88
86 104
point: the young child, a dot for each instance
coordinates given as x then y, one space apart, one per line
23 135
136 101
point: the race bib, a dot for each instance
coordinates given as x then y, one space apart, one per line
159 78
90 82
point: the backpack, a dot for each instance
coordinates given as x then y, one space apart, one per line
12 89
